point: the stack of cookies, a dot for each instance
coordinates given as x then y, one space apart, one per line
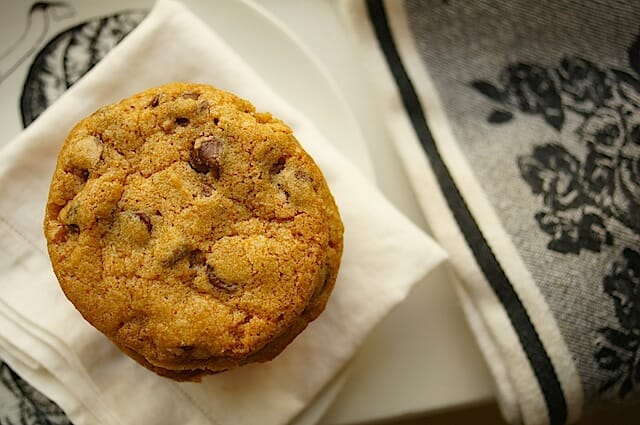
193 231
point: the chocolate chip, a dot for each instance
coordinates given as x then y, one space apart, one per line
187 348
175 256
192 352
196 258
155 101
216 120
69 214
182 121
301 175
284 191
191 95
63 232
278 166
80 172
67 231
205 155
144 218
216 282
203 106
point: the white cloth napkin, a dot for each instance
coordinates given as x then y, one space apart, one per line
47 342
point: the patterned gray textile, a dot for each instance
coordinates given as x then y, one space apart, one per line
543 101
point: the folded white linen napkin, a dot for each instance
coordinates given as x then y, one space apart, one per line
518 125
47 342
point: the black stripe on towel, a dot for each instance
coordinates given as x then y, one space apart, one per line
529 339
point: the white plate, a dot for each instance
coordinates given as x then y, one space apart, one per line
256 35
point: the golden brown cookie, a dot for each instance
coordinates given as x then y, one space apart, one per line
193 231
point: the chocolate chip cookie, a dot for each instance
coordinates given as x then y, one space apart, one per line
192 230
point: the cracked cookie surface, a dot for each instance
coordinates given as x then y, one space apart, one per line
193 231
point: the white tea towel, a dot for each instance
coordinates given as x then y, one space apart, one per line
44 338
519 125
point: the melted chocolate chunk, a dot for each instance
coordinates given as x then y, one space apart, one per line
216 282
144 218
155 101
278 166
80 172
175 256
205 156
64 232
196 258
203 106
182 121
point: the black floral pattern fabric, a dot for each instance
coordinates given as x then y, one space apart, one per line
618 349
32 406
584 195
579 197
